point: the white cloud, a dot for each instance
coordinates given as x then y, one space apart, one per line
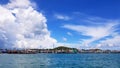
95 32
64 39
21 26
19 4
62 17
70 34
110 42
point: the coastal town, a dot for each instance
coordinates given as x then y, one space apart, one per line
57 50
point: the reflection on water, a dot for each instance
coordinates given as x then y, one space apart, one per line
59 60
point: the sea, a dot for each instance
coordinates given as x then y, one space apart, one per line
59 60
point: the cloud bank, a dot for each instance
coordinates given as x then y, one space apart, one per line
21 26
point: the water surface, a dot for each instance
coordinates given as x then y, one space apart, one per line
59 60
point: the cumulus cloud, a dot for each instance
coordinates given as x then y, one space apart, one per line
62 17
19 4
94 32
21 26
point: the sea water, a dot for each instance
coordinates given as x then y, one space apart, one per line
59 60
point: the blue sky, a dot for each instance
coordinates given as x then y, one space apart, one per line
82 23
88 13
102 8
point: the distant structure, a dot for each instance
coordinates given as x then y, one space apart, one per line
56 50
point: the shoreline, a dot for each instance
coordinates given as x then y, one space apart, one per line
58 50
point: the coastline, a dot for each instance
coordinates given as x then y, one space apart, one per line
58 50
